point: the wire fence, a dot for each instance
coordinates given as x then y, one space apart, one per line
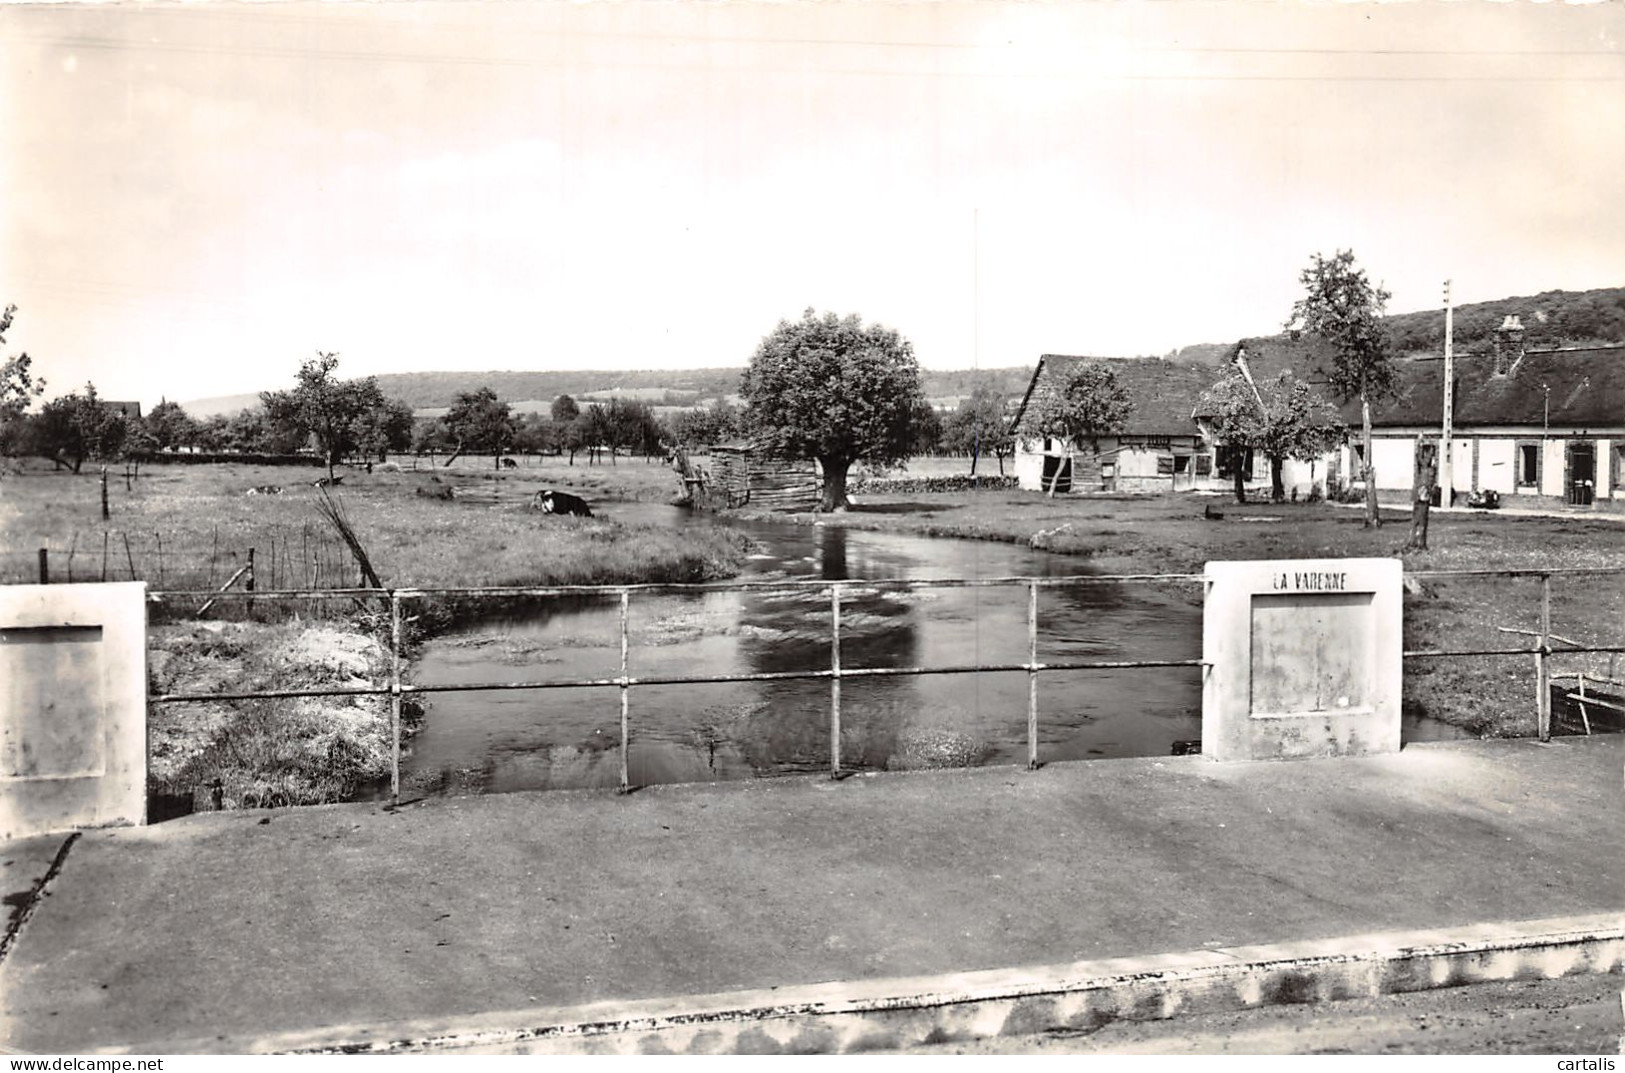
386 606
306 556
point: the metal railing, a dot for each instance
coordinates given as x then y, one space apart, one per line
836 673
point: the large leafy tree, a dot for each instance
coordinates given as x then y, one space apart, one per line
833 389
479 421
1342 306
70 429
338 413
1283 418
1086 404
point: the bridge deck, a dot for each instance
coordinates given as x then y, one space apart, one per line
245 924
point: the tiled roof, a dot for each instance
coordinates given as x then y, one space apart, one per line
1586 384
1164 392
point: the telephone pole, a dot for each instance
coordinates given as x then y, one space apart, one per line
1447 466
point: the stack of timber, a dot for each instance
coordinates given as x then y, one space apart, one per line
742 476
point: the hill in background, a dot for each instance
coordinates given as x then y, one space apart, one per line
1552 318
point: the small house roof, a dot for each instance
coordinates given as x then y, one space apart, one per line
1164 392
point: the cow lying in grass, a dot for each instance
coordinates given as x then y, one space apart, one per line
551 502
264 490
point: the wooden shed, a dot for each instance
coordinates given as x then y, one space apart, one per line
743 476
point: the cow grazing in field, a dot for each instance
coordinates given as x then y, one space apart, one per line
264 490
508 463
324 482
551 502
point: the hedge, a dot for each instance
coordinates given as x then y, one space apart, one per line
959 483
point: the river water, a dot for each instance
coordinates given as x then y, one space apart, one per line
492 741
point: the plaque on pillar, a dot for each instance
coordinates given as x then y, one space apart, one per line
1302 658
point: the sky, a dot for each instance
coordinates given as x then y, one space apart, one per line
196 199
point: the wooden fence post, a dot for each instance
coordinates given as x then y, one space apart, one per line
1543 669
44 567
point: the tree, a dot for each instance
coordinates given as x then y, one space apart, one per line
927 430
1343 307
75 427
18 390
980 427
479 421
565 410
18 386
1284 418
1422 481
1087 404
336 412
591 431
836 390
170 426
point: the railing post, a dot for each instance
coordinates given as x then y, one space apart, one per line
44 567
1543 670
1032 676
626 728
394 697
835 681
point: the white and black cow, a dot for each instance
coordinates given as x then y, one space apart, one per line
551 502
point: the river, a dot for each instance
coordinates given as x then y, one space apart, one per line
492 741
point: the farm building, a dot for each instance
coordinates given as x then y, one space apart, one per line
741 475
1538 425
1165 448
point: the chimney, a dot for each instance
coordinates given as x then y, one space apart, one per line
1508 344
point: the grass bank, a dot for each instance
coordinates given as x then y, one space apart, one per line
268 753
1492 696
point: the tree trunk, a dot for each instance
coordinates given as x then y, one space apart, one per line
1372 519
1277 482
834 497
1421 498
974 455
1241 480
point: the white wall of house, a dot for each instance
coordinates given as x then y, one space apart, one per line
1552 468
1497 467
1029 464
1394 459
1605 468
1461 465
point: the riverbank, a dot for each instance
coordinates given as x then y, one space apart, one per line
210 755
1122 534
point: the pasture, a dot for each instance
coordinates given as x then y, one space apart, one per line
190 526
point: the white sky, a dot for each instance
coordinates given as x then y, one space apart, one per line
193 200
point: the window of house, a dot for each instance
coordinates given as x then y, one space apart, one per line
1204 465
1529 464
1616 476
1165 465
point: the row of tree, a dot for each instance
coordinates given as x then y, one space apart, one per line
825 387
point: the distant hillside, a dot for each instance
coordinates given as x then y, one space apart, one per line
1551 319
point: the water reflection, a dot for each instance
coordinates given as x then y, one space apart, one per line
571 737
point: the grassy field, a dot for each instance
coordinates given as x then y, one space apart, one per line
190 527
1169 534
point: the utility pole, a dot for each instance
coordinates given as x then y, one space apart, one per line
1447 465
